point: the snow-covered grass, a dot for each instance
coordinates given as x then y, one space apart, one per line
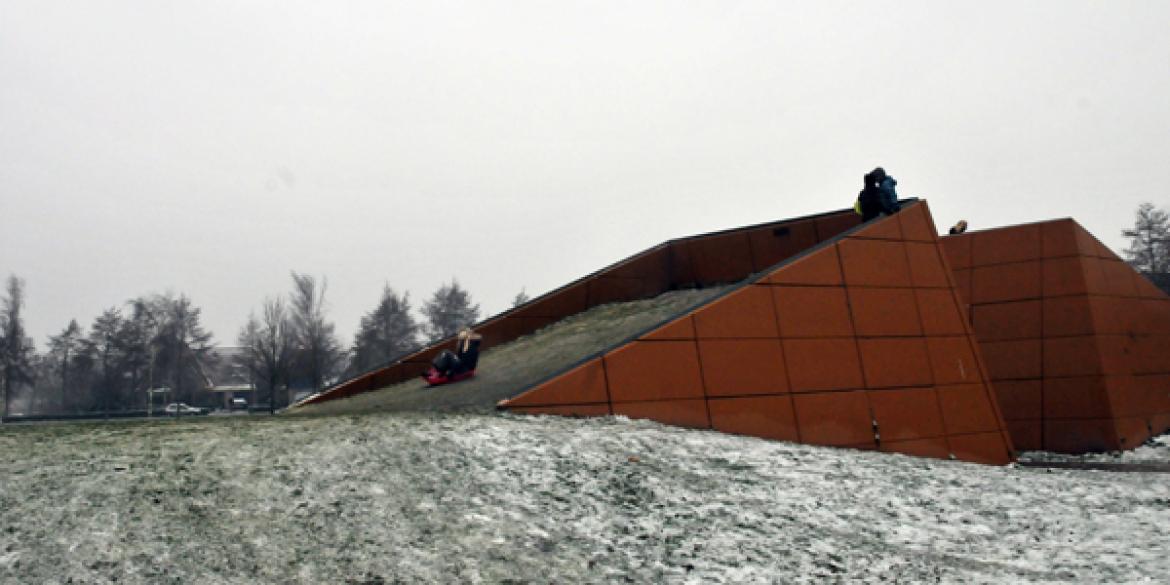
482 498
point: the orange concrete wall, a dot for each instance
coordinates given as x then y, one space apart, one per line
703 260
861 343
1074 339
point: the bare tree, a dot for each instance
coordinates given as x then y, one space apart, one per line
448 311
386 332
16 350
268 347
318 350
1149 247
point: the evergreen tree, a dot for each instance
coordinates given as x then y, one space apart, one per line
137 347
180 345
448 311
521 298
16 350
1149 247
63 350
386 332
103 349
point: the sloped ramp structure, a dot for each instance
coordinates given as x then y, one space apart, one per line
829 333
696 262
1075 340
508 369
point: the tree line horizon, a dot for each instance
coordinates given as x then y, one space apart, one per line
156 341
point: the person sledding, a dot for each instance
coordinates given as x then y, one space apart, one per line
453 366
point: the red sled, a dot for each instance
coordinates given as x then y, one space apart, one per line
435 378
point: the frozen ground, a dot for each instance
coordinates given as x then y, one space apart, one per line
505 371
1156 450
490 498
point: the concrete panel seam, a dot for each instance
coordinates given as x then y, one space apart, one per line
995 264
857 346
930 362
702 378
605 376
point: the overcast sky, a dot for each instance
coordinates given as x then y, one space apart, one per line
208 148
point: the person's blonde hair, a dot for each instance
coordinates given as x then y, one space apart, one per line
464 338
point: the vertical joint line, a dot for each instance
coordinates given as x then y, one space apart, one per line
856 342
702 378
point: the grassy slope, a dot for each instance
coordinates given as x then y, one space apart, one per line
506 370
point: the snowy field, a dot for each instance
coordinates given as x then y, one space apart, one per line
483 498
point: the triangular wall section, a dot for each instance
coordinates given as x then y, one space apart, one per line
860 342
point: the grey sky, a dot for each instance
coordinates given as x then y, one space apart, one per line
210 147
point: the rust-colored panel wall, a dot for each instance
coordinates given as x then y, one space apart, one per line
720 258
861 343
772 244
717 258
585 384
832 225
1073 337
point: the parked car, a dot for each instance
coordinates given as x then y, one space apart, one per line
179 408
239 404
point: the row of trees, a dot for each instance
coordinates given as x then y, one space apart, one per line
158 342
153 341
390 329
290 343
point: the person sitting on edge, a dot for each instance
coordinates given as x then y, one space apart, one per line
959 228
878 197
449 364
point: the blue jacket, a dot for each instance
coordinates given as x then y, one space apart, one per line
887 196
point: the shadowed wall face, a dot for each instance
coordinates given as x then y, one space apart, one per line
860 343
1074 339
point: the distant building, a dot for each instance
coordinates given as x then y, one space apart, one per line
227 377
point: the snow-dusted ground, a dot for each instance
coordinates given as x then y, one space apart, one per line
1156 450
483 498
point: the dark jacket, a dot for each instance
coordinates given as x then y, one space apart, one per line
450 363
879 199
